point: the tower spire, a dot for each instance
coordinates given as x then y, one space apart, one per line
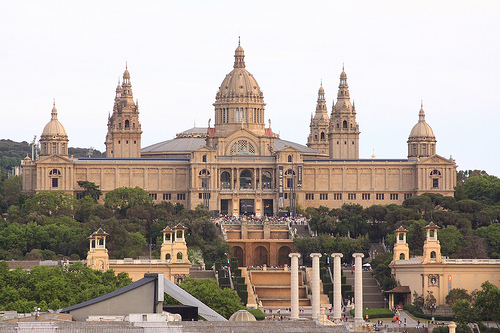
239 56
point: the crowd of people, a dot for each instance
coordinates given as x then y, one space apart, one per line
252 219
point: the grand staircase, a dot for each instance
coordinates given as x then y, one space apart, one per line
372 294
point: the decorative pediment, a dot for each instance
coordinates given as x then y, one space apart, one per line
54 159
435 159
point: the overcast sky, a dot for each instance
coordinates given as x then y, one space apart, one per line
396 53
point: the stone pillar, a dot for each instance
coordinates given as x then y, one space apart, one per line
451 327
294 292
358 289
337 286
315 285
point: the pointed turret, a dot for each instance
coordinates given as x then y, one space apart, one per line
239 56
343 130
318 135
124 130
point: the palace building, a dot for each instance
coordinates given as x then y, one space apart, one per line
239 165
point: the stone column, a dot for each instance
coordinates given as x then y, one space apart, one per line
452 326
294 292
358 288
315 285
337 286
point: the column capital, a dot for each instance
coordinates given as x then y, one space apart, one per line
340 255
356 255
315 255
292 255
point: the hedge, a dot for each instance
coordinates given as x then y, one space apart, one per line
376 313
257 314
418 313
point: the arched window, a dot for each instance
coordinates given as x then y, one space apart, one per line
401 256
168 256
242 147
322 136
179 256
289 158
204 172
315 137
204 158
127 124
436 172
344 124
433 255
266 180
338 125
225 181
246 179
178 236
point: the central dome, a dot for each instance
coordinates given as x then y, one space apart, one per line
239 103
239 83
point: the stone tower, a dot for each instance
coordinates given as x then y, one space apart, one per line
421 142
239 103
97 257
123 139
54 140
318 135
432 247
401 250
174 248
343 133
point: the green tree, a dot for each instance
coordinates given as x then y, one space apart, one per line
451 240
487 302
90 189
457 294
224 301
418 300
123 198
50 203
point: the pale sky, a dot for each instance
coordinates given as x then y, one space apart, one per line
396 53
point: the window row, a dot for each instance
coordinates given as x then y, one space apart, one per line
241 115
246 178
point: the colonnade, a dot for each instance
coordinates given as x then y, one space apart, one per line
337 287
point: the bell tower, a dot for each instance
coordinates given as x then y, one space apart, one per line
343 133
432 247
97 257
318 135
401 250
123 139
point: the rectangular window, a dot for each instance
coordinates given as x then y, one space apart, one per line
337 196
286 195
435 183
167 196
153 195
181 196
379 196
365 196
79 196
309 196
394 196
408 195
55 182
323 196
351 196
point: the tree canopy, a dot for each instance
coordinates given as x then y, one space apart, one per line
54 288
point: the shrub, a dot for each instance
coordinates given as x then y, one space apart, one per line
257 314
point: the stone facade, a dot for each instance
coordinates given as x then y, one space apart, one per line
239 165
433 273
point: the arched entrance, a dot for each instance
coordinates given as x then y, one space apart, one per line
260 257
238 254
283 258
